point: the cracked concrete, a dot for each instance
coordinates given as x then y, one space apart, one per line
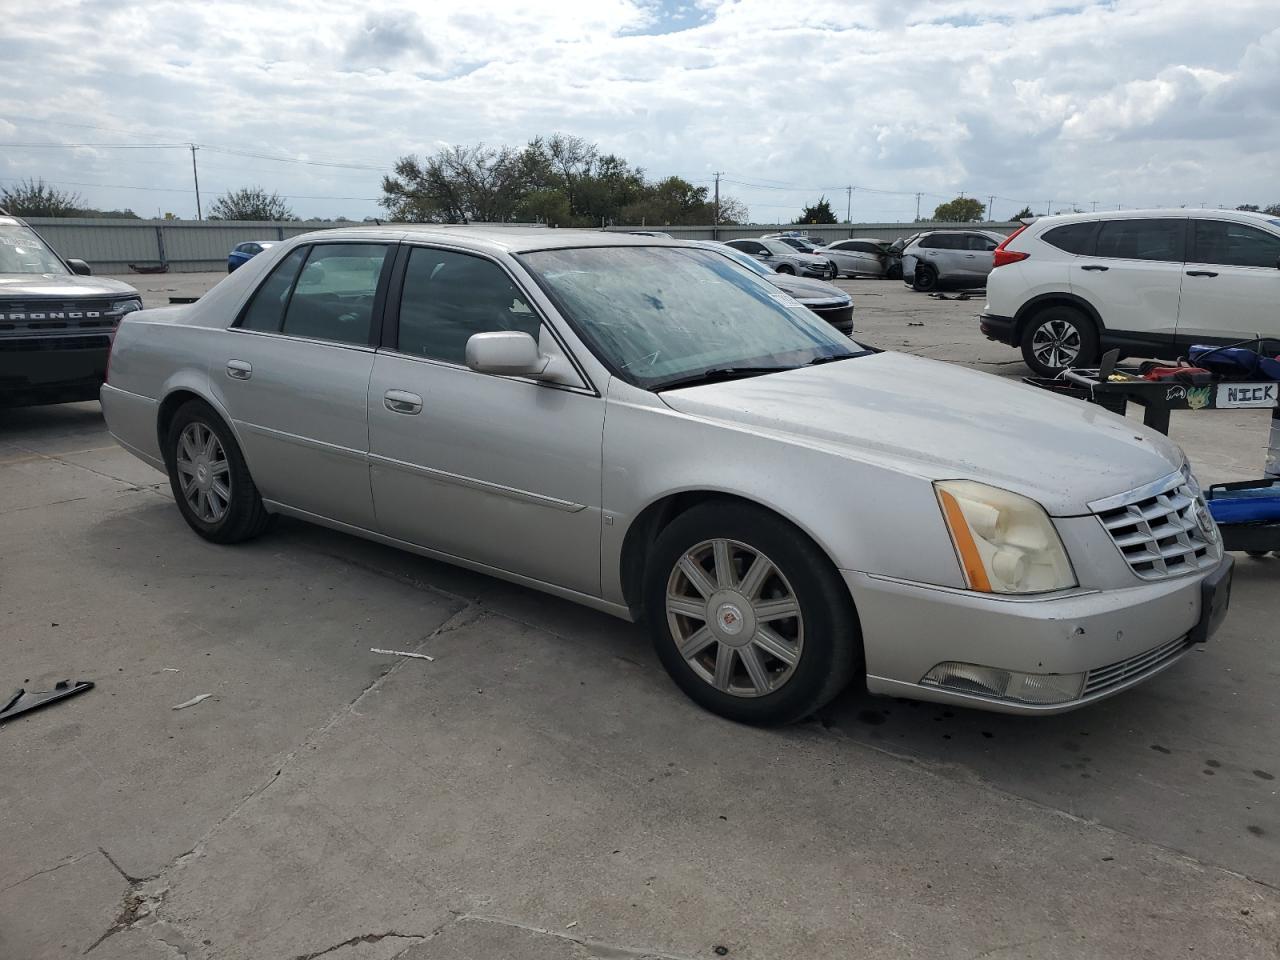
541 790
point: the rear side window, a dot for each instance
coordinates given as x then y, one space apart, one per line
1078 238
975 241
333 298
450 296
266 309
1234 245
1162 240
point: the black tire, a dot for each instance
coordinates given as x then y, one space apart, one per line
245 516
926 279
787 269
831 652
895 272
1082 337
835 270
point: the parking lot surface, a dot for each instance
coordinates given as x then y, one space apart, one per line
540 789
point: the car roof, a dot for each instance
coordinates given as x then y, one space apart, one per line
492 239
1242 216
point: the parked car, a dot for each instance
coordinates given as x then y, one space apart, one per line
860 257
242 253
784 258
56 321
646 428
1151 283
794 240
949 258
826 300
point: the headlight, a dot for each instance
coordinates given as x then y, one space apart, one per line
1005 542
126 306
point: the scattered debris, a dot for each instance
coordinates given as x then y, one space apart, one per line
200 698
915 323
401 653
170 670
945 296
22 700
183 299
570 926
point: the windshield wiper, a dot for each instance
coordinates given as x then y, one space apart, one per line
716 375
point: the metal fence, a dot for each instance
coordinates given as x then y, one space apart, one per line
185 246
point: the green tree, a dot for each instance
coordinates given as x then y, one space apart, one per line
819 212
1248 207
959 210
1273 210
250 203
35 198
1022 214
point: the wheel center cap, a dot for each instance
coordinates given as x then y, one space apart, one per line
730 618
202 474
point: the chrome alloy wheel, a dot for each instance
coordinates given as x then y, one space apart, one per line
1056 343
734 618
203 472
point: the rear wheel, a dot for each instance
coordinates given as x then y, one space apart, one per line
209 478
748 615
1057 338
787 269
835 270
926 279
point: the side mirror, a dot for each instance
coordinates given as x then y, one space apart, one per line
80 268
505 353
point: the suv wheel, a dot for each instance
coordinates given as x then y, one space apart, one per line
1057 338
926 279
748 615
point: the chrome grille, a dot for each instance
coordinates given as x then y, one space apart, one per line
1162 530
1115 674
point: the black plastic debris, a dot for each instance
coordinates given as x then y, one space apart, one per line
22 701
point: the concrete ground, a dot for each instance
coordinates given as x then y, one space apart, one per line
540 789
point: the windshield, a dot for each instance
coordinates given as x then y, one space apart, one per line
21 251
778 248
658 315
751 263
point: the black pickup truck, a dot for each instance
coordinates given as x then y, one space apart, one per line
56 321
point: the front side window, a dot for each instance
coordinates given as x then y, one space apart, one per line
21 251
333 298
1234 245
448 297
266 310
1155 239
662 315
747 246
777 248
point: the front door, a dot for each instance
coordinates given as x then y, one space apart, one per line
501 471
1231 284
294 375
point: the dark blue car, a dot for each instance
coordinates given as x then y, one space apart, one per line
242 253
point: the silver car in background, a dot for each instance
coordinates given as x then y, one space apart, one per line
784 258
825 299
858 256
652 430
949 258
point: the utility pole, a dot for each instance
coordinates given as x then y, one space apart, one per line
991 206
848 205
1048 207
917 206
1095 204
196 177
715 225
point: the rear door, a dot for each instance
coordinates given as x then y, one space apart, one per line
977 257
1231 284
294 375
1133 276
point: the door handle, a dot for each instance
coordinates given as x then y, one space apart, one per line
1094 266
239 369
401 401
1201 273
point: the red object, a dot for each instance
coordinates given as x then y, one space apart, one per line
1003 257
1168 373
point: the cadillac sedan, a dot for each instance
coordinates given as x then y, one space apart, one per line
650 429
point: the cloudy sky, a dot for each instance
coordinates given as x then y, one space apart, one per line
1046 102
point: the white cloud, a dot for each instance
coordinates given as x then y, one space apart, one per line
1131 101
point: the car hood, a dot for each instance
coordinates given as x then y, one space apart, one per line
941 421
802 288
809 258
31 286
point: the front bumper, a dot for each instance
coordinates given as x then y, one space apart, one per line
839 316
38 370
1118 637
999 328
823 272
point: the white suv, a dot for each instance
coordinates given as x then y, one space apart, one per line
1150 282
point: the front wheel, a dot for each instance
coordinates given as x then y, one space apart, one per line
1057 338
787 269
209 478
748 615
926 279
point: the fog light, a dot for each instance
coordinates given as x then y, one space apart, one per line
1040 688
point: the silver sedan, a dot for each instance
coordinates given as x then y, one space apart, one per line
650 429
